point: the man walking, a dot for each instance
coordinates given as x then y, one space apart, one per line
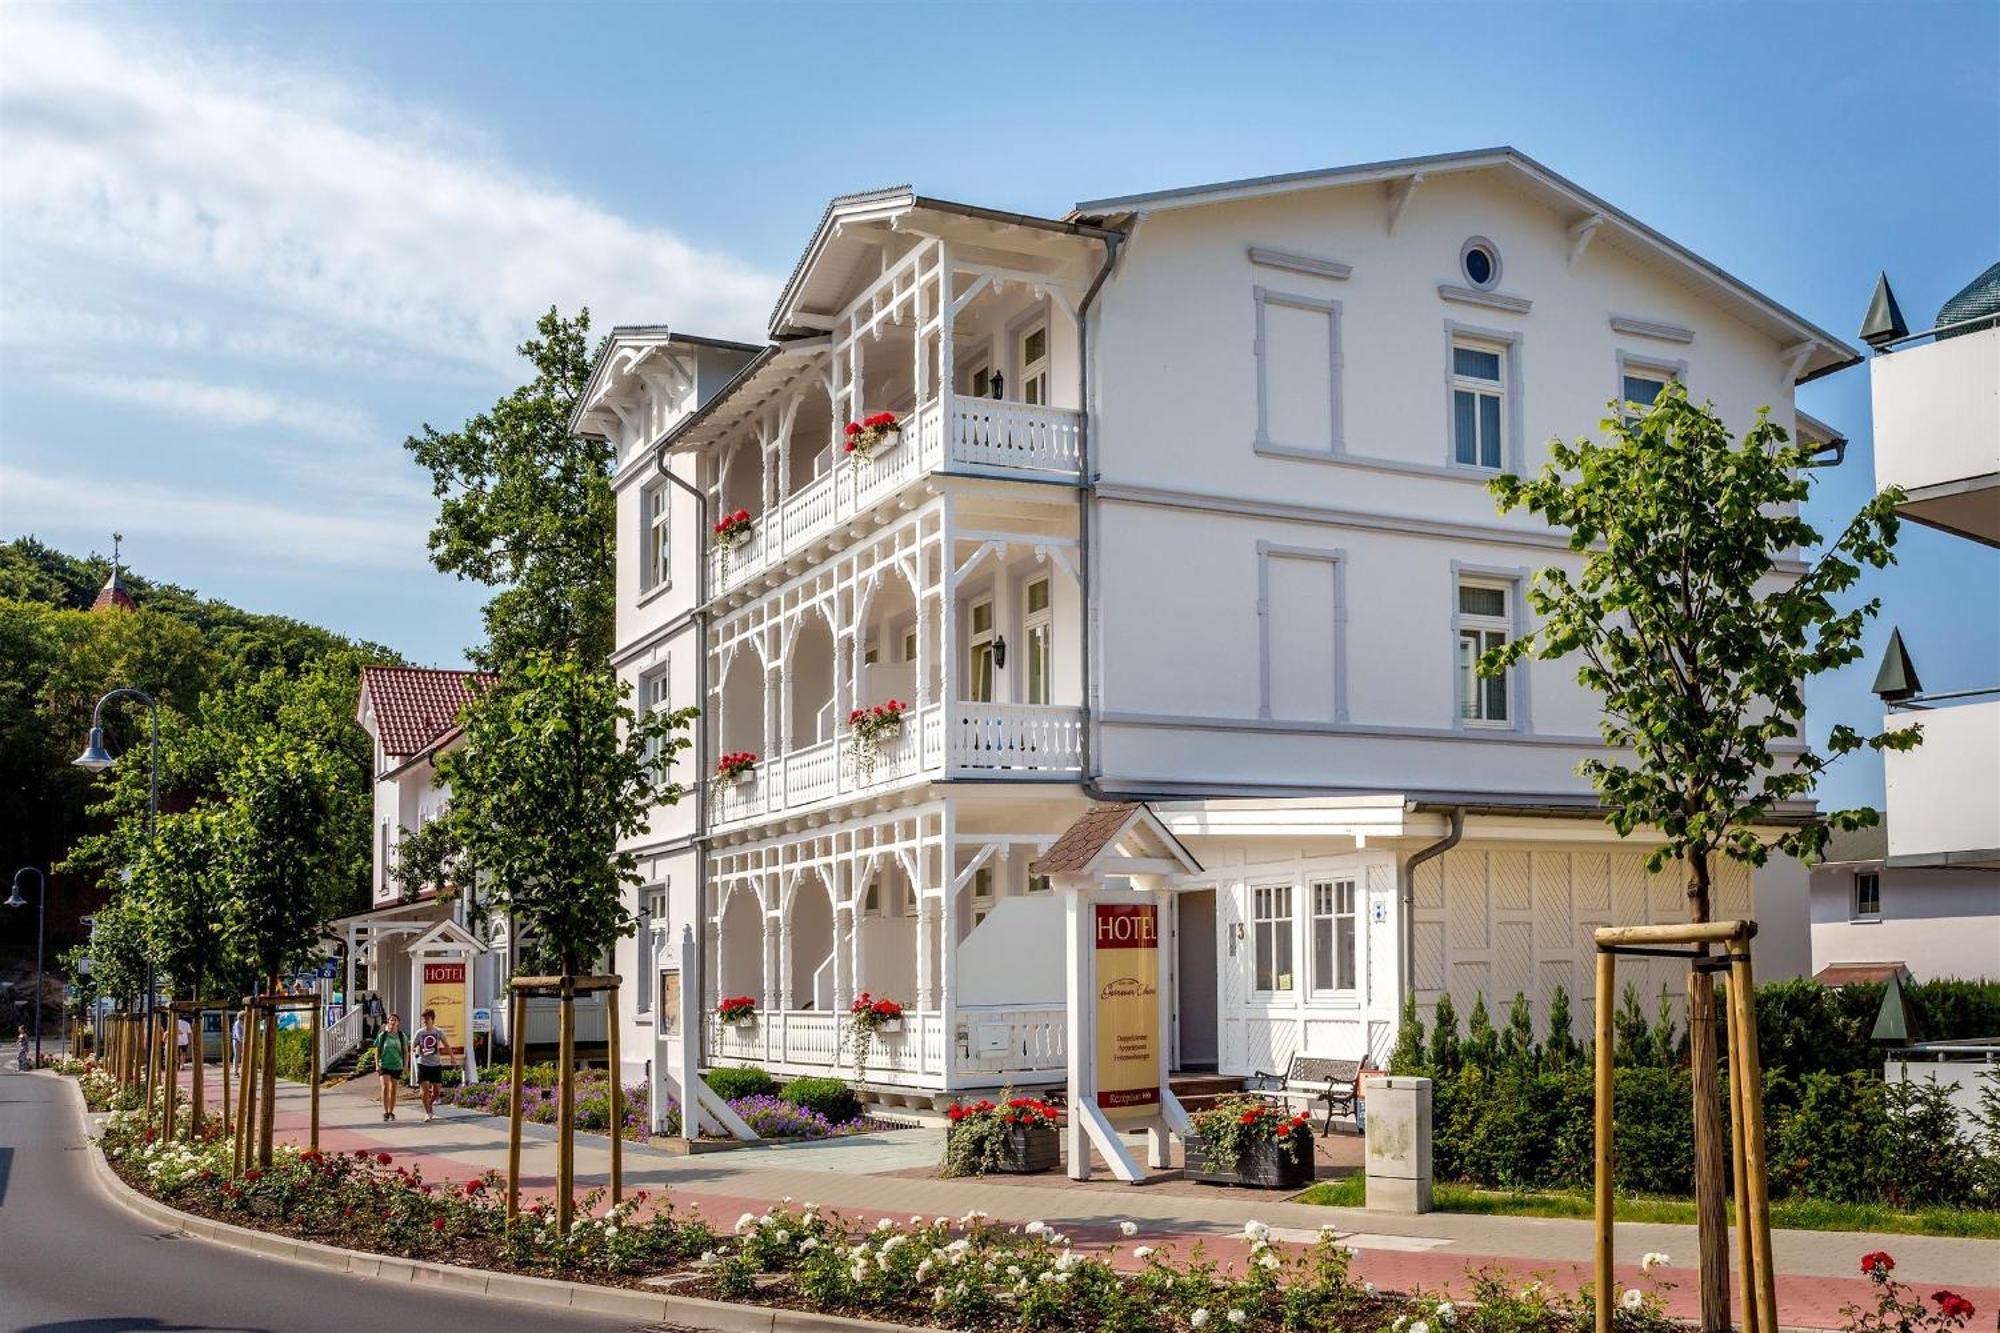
392 1057
433 1049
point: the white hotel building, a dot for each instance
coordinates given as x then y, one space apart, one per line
1189 505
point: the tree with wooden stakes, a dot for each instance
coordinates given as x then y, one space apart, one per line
1697 628
556 771
177 887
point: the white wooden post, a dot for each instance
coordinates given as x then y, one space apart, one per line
677 1059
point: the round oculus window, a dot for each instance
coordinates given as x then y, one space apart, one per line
1481 262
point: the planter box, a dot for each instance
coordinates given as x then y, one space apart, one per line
1265 1166
1030 1150
892 1027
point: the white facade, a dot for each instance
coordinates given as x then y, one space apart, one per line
1227 513
1937 923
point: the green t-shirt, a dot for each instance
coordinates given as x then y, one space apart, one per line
391 1051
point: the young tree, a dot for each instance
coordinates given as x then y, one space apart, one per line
281 853
526 507
178 887
1699 637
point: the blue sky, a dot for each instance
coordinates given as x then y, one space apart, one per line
245 249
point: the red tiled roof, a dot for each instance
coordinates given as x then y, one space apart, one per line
416 705
1835 975
113 597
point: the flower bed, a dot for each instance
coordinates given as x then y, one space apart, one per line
771 1117
963 1273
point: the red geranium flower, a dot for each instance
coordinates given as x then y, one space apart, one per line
853 429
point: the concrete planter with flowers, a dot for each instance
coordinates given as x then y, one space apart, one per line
1016 1136
1247 1142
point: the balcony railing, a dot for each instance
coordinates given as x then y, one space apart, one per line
986 435
1025 740
1011 1043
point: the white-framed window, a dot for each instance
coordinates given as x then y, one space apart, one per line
652 932
656 551
1478 403
1867 895
982 893
871 651
653 692
1640 384
1479 261
1333 935
979 381
1039 884
910 644
1038 630
1485 622
979 651
871 900
1033 362
1271 927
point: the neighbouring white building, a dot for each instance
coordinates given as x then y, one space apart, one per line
1922 892
1188 505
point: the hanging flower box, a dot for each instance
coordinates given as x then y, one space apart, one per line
869 1016
1247 1142
870 729
738 1011
1017 1137
873 435
736 768
733 530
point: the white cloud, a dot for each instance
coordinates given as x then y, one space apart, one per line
265 183
224 404
55 506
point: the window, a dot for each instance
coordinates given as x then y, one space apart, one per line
980 382
1034 365
655 563
652 934
1476 397
979 652
871 902
1640 386
1480 262
1272 912
1038 631
982 893
910 644
1483 625
653 689
1867 895
1333 935
1039 884
871 651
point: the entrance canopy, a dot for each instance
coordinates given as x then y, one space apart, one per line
1126 839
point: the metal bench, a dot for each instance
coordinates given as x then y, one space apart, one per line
1310 1078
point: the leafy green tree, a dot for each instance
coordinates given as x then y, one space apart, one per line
526 507
1517 1038
1482 1044
280 853
556 770
119 950
179 886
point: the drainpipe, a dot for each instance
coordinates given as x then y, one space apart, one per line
1085 496
701 726
1408 889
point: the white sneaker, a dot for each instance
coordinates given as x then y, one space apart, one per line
428 1117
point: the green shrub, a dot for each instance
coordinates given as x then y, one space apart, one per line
1928 1160
1828 1146
749 1081
829 1096
295 1054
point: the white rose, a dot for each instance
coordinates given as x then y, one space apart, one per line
1238 1317
1255 1230
1143 1252
1633 1298
1199 1319
1653 1259
1128 1228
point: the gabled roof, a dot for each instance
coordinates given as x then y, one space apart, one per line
637 339
1097 831
1829 353
1835 975
113 595
416 706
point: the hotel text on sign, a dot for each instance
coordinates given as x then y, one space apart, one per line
1127 948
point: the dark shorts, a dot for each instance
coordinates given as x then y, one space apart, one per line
393 1075
430 1074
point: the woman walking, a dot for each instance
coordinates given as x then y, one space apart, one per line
392 1057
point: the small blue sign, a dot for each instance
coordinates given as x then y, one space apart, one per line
328 970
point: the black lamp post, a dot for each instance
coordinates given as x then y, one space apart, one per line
41 915
96 759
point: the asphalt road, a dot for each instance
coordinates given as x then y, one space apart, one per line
74 1261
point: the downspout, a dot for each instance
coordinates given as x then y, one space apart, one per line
1408 888
1086 495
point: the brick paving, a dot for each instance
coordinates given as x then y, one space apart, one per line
883 1175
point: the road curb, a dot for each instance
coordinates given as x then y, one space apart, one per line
686 1311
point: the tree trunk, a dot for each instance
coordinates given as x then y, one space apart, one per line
1710 1147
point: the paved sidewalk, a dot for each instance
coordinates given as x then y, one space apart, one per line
873 1176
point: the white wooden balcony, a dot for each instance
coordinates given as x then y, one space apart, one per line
987 740
1002 1045
987 437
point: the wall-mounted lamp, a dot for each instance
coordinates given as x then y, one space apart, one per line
997 385
1000 651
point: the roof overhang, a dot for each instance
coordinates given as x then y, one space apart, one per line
1814 351
1122 839
638 350
773 374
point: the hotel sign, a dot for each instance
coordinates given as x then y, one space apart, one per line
1126 942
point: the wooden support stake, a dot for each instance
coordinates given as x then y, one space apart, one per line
566 1110
517 1038
197 1076
1745 1263
246 1099
267 1078
227 1123
617 1097
1607 990
1743 992
312 1066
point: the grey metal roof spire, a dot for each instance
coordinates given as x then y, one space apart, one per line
1884 321
1896 679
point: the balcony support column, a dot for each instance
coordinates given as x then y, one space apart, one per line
769 994
926 925
785 996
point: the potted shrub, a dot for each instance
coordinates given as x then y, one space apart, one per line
1244 1141
870 435
869 729
733 530
737 1011
737 767
1016 1137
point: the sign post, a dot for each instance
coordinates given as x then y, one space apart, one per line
677 1054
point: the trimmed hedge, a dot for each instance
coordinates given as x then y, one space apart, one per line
828 1096
1509 1112
729 1083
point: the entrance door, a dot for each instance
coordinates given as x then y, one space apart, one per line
1194 967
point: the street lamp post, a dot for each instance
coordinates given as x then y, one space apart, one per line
41 916
96 759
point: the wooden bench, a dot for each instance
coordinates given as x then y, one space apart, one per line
1310 1078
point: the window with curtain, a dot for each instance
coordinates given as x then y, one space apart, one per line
1477 397
1484 624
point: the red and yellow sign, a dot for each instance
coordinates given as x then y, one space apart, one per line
1127 948
444 991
